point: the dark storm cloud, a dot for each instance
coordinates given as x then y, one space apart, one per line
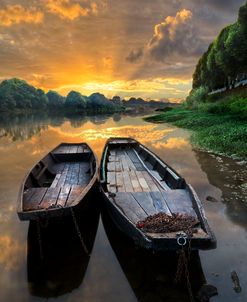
135 55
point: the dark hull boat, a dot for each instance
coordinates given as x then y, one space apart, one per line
58 183
137 184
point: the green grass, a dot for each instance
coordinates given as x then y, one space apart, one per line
220 131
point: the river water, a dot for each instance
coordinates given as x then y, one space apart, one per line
117 271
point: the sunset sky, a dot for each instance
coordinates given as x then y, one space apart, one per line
141 48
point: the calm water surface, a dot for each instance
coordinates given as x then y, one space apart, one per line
117 271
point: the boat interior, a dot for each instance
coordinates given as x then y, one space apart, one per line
59 177
142 185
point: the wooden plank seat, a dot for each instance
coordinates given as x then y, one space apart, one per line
45 198
68 149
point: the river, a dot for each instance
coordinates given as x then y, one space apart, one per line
117 271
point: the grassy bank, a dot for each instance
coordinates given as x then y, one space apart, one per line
218 127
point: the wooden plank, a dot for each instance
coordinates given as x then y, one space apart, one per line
179 201
32 198
63 195
132 156
159 202
127 182
83 175
50 197
68 175
129 206
73 149
146 202
112 158
135 183
120 182
86 150
112 189
151 182
131 166
28 194
111 178
118 166
62 179
74 173
112 152
80 149
111 166
139 166
142 181
74 194
55 181
124 162
156 175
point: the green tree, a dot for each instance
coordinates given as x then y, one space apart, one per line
75 101
55 100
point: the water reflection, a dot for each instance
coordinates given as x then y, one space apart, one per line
151 275
64 262
231 180
23 141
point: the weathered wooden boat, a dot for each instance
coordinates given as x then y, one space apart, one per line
137 184
58 183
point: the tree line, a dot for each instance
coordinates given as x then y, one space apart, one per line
225 61
18 95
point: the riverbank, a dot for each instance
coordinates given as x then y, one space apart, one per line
224 134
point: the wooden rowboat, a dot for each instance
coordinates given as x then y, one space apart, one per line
58 182
137 184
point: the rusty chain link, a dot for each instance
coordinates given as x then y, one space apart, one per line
39 239
79 232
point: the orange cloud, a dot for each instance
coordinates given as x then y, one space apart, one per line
171 23
15 14
172 143
67 9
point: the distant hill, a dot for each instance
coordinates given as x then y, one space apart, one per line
224 64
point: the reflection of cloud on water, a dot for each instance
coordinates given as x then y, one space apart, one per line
10 251
172 143
143 133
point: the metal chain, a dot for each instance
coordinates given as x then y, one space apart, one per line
179 267
187 274
183 263
78 231
39 239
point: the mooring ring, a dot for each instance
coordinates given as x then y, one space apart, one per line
181 240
